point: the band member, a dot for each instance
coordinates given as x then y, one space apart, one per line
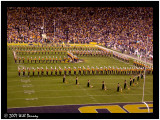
138 78
50 59
46 59
60 59
76 80
69 70
15 59
60 70
23 71
64 78
130 81
79 70
28 71
39 59
35 59
42 59
42 71
47 71
64 58
97 70
19 59
88 70
125 84
56 59
23 59
65 70
31 59
106 70
55 71
74 70
133 80
19 71
103 85
129 70
38 70
84 70
53 59
33 71
118 87
141 76
51 71
101 70
123 70
88 84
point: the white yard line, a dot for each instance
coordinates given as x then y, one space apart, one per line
54 90
120 60
56 84
69 90
94 100
80 96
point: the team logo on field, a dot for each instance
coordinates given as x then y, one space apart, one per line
126 108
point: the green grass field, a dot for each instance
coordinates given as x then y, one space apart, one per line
49 90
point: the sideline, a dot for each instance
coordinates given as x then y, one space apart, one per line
77 96
76 104
147 106
123 54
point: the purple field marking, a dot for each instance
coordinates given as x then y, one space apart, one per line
64 108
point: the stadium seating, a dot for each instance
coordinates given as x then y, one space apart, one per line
123 28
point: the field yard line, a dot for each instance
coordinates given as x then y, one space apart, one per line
52 84
120 60
76 104
21 66
81 96
88 94
54 90
14 72
73 76
71 90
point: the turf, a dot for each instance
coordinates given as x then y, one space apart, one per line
49 90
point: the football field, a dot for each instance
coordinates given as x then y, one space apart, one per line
35 91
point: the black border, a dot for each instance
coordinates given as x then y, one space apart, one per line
154 4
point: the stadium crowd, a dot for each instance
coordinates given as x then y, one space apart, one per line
123 28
